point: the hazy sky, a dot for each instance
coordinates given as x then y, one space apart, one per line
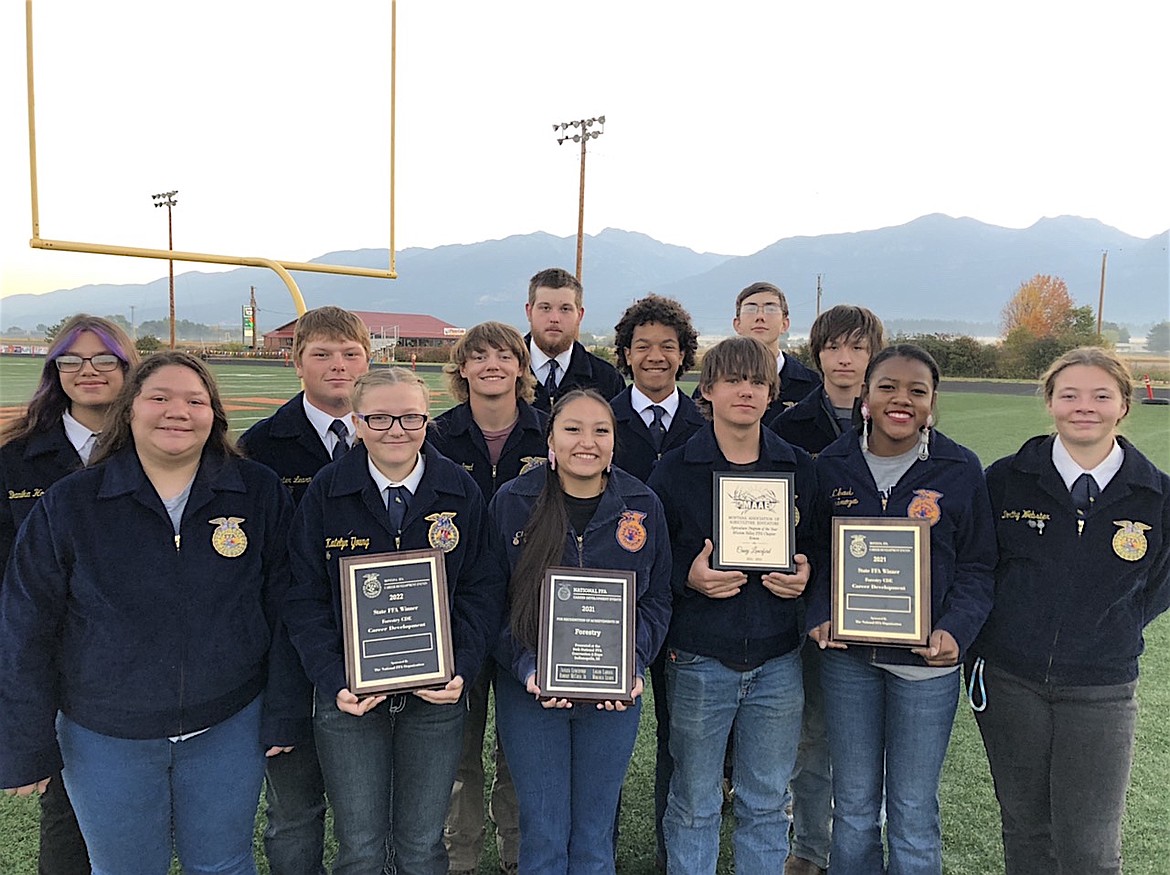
729 125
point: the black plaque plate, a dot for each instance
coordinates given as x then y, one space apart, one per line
396 622
881 581
586 649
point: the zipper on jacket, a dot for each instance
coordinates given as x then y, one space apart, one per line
494 469
1080 527
178 542
398 541
580 551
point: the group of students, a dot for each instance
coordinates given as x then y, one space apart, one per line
170 614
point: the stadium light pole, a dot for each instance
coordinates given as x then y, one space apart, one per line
582 134
167 199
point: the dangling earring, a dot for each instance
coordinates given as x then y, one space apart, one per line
865 428
552 460
924 439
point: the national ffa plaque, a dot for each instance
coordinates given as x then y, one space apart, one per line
755 518
881 581
586 648
396 622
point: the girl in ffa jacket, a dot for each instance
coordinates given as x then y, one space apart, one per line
568 762
141 602
890 710
1084 564
389 759
83 373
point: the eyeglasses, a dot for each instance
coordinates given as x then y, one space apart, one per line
751 309
68 364
385 421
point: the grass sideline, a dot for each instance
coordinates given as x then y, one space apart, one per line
992 425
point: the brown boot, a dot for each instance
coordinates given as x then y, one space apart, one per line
800 866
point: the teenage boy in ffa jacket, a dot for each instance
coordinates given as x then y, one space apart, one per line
495 434
331 349
559 361
841 341
656 345
733 647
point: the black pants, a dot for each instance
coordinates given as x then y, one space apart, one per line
62 847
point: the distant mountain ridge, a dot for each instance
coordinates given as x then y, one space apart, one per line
936 266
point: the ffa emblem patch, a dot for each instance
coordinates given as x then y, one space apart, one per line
530 462
795 510
631 534
442 535
229 539
1130 542
371 585
564 592
857 546
925 506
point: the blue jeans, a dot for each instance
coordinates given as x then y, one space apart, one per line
394 764
812 779
882 725
567 765
137 801
708 701
294 839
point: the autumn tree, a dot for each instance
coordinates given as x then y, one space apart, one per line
1041 306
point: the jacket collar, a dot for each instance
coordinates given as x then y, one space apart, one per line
619 482
703 449
458 420
1034 458
122 474
53 441
941 448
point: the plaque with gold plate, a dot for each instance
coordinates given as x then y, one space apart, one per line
586 648
881 581
396 622
755 517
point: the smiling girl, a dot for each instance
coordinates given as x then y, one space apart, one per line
1084 566
890 710
567 762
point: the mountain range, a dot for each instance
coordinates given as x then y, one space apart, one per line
957 270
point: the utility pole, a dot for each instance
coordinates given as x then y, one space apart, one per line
818 294
254 314
1101 297
582 136
167 199
133 324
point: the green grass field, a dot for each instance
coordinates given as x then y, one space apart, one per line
992 425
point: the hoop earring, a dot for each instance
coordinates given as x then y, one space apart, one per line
552 460
865 428
924 439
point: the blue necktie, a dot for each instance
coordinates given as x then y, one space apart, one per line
342 446
398 501
657 427
1084 493
550 383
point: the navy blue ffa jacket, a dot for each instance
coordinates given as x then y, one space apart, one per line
1071 602
754 625
949 490
809 424
627 533
634 452
28 467
343 514
585 371
288 444
456 435
135 632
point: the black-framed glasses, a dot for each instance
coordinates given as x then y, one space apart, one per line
752 308
385 421
106 361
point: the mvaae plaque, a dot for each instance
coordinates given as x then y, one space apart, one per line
754 516
396 622
881 581
586 648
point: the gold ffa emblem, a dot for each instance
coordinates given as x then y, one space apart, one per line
442 535
795 510
229 539
530 462
857 546
631 534
924 506
1130 542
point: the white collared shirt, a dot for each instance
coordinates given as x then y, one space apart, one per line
540 360
780 362
410 482
1069 470
320 420
642 405
80 436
